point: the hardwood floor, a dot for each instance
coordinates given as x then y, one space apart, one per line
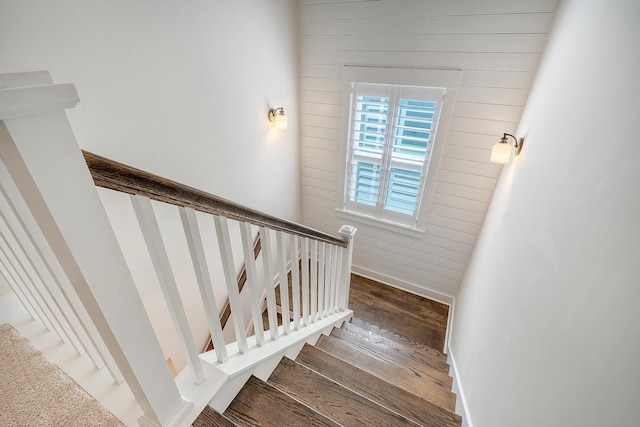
422 320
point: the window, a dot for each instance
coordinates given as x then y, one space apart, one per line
391 134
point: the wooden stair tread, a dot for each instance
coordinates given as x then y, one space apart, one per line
412 303
329 398
260 404
376 347
398 338
209 417
420 386
395 319
413 356
388 395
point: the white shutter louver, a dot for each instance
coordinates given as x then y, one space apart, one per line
391 136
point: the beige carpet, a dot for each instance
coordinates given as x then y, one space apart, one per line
35 392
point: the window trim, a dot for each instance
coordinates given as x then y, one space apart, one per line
449 79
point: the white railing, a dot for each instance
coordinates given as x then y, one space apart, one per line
62 259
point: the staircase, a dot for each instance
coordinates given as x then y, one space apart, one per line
359 374
67 268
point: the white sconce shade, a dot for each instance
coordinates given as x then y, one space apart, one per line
277 116
501 152
281 121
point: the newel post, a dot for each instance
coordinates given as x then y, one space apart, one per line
40 153
348 232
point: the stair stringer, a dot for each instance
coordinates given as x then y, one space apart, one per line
231 376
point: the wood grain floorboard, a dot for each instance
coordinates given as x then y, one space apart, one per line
393 358
260 404
413 357
405 300
389 314
419 386
330 398
401 320
400 339
210 418
388 395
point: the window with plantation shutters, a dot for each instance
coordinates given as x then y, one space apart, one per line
391 135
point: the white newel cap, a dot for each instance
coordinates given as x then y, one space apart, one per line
348 231
31 93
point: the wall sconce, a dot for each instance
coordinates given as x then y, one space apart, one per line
278 116
501 152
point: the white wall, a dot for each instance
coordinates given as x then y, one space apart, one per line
177 88
547 326
497 46
180 89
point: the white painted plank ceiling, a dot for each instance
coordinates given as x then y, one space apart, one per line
497 44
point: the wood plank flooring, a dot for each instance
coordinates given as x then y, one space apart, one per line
420 319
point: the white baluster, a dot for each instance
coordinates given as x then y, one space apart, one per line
41 302
252 282
304 262
284 285
339 286
328 279
21 296
334 278
267 256
43 260
31 303
194 241
314 281
160 259
51 296
321 278
295 281
228 266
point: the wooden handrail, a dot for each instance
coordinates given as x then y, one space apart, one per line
120 177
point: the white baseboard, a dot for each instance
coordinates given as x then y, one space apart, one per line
461 402
405 286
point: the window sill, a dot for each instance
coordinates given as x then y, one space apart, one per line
382 224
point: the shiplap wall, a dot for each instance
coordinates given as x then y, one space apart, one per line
497 44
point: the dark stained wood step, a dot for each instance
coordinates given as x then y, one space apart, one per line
419 319
410 355
413 303
401 339
331 399
375 346
417 385
260 404
396 320
209 417
388 395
